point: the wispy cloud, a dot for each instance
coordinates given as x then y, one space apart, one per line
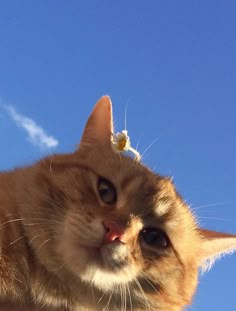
36 134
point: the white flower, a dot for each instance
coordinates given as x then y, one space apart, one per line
121 143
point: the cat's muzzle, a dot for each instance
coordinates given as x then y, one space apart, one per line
114 255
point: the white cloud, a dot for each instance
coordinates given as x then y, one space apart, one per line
36 134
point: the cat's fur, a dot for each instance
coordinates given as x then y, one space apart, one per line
52 227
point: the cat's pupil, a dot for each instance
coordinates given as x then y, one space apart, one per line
155 237
106 191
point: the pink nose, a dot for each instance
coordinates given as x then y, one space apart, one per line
114 233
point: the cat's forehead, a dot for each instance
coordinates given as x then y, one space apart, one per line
134 182
157 193
139 185
149 197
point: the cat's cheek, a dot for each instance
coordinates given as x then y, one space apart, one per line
79 242
77 228
74 258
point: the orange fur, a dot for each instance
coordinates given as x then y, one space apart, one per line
52 249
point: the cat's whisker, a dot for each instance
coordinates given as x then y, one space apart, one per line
125 291
34 224
50 165
57 212
120 296
109 300
35 237
55 215
49 200
41 221
45 220
56 204
16 240
207 205
149 146
217 218
130 298
46 241
58 269
51 216
123 297
92 291
148 280
147 305
138 143
100 299
10 221
126 107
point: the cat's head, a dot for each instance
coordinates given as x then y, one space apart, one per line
115 224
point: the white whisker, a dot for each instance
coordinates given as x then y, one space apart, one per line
146 278
35 237
126 116
216 218
43 244
138 143
125 296
130 298
44 220
149 146
9 221
100 299
109 300
58 269
17 240
147 305
207 205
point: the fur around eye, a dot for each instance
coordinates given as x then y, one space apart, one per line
155 238
107 191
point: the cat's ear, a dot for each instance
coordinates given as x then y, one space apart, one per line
99 127
215 245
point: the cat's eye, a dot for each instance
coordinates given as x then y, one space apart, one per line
107 191
155 237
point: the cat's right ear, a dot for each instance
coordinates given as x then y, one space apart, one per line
99 127
214 245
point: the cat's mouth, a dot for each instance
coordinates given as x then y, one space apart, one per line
110 257
114 255
108 265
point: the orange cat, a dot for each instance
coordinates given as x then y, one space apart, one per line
96 230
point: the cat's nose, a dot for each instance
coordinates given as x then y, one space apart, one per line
113 233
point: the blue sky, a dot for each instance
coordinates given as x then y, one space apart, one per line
172 63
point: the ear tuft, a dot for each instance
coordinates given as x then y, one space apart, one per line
99 127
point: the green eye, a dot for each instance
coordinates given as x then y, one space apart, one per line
106 191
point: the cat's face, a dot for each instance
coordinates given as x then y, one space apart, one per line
119 224
115 224
127 224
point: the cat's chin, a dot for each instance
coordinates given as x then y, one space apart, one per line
105 277
106 280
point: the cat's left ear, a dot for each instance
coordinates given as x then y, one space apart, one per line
214 245
99 127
